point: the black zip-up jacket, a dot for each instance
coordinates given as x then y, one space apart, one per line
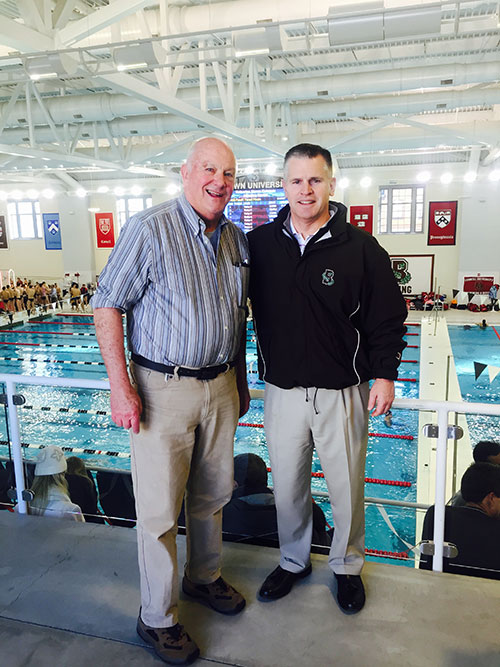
330 318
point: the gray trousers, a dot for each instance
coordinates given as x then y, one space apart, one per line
184 449
336 424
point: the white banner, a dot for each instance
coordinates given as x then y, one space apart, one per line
414 273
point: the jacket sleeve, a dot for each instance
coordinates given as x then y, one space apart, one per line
382 314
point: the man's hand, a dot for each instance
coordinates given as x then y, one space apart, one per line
381 396
126 408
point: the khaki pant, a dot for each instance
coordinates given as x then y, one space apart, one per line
336 424
184 448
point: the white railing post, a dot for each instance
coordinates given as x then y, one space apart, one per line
440 494
10 388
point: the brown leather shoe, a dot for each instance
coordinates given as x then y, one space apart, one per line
172 645
219 595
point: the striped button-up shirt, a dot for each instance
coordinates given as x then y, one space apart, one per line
185 302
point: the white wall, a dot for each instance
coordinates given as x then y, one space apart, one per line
478 219
476 249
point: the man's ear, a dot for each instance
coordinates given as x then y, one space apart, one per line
333 184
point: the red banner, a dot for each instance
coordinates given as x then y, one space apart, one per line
442 223
478 284
105 230
362 217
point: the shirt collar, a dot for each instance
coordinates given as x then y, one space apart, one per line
291 229
195 222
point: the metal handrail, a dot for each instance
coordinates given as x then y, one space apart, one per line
443 409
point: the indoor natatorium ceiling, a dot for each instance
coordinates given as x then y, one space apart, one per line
110 89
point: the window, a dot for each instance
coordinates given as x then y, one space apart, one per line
401 209
25 221
127 206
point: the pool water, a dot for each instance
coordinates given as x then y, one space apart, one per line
69 418
470 344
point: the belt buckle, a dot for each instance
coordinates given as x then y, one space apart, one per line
205 374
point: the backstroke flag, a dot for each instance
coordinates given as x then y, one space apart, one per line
52 231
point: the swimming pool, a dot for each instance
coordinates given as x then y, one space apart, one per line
66 346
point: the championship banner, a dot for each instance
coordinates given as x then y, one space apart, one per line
414 273
442 223
362 217
3 233
52 231
105 230
478 284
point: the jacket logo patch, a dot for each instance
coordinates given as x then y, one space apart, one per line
328 277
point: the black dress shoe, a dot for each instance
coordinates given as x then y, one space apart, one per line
279 583
349 593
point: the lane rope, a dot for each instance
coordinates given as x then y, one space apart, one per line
84 411
71 324
86 347
37 333
126 455
53 361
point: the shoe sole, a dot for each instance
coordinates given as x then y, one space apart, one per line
300 575
186 661
205 601
335 591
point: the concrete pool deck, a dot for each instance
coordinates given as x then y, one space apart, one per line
70 594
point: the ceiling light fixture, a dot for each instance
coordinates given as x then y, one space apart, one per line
424 176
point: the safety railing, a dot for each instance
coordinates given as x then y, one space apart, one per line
442 408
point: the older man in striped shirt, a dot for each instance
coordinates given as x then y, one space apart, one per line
180 273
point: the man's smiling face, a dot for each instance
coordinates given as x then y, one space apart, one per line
308 184
208 178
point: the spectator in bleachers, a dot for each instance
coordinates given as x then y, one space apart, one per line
252 511
485 451
50 486
116 496
473 528
82 490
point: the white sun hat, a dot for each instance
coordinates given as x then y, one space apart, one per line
50 461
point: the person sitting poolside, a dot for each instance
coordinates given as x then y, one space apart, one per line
251 511
82 490
473 528
50 487
485 451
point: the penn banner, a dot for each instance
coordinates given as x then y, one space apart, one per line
105 230
362 217
52 231
442 223
414 273
3 233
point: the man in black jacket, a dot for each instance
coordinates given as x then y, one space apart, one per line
329 317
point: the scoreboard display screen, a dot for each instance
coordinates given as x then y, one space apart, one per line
251 208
